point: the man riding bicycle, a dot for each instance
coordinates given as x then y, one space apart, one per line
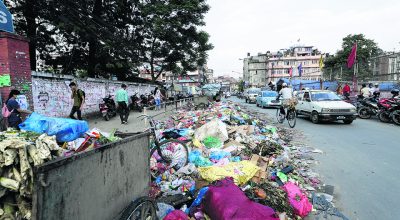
287 94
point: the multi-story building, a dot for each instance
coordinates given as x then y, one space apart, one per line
254 70
386 66
227 83
261 69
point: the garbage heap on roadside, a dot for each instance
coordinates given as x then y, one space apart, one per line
239 167
21 151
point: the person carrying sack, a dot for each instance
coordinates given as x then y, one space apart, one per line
12 111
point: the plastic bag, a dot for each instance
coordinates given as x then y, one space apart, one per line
215 128
212 142
199 198
64 129
218 155
241 172
197 159
225 201
163 210
298 200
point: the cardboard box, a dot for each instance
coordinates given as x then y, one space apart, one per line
261 162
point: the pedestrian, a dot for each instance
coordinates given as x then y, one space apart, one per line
339 89
376 92
122 104
365 91
14 119
346 91
158 96
78 96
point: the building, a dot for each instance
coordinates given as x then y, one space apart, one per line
259 70
209 74
254 70
227 83
386 67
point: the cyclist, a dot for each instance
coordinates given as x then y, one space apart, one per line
286 93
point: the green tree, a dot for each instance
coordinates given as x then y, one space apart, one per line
366 48
171 35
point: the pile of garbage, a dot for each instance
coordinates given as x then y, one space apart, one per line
239 166
19 153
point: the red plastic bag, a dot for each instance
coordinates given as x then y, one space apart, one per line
297 199
176 215
225 201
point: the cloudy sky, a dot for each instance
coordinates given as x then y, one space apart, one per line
240 26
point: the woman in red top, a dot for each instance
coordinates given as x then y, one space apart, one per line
346 91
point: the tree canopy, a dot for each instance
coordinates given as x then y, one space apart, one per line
104 37
366 49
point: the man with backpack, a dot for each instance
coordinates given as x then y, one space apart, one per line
79 100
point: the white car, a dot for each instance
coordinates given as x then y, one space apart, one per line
324 105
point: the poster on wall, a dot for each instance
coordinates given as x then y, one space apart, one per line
23 102
5 80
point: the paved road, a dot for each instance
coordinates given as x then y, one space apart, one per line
361 160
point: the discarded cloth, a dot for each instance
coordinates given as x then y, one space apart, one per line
241 172
225 201
176 215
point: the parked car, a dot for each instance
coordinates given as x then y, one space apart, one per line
251 94
323 105
265 98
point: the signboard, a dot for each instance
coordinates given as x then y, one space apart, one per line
6 22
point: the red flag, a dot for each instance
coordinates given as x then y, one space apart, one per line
291 71
352 57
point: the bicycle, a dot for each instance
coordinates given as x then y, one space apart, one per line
142 208
165 154
290 115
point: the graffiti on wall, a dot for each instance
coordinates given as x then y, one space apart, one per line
52 96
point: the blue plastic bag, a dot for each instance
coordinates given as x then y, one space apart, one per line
64 129
218 155
197 159
199 197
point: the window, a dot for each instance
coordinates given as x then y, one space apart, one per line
306 96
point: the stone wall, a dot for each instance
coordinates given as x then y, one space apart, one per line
52 96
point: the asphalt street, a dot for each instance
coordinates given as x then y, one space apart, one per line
360 160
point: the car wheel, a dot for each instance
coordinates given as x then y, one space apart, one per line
348 121
314 117
257 104
246 100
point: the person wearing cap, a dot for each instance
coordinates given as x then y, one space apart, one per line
376 92
122 104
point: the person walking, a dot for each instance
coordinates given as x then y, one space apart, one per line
79 100
14 119
122 104
157 98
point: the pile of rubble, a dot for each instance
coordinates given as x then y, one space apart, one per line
236 159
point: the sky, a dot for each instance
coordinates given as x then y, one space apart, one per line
238 27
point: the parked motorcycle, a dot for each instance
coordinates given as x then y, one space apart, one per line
136 103
367 108
389 107
108 108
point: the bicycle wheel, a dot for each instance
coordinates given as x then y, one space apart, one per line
169 154
291 117
140 209
280 117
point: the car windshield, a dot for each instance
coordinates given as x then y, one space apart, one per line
324 96
269 94
253 91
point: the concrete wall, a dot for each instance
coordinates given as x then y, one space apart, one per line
97 184
52 96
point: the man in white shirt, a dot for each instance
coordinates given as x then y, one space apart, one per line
286 94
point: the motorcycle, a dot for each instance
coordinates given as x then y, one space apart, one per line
136 103
108 108
368 107
396 113
387 107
